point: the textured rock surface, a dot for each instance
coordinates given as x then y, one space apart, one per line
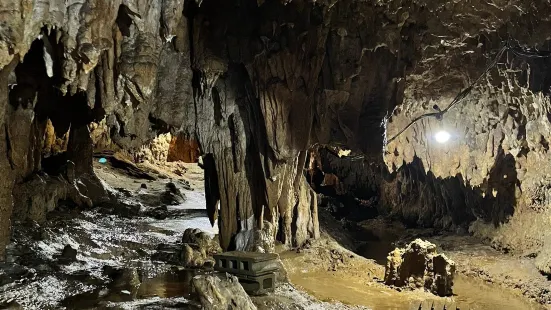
206 243
196 250
156 150
256 83
491 169
221 292
419 266
183 149
256 239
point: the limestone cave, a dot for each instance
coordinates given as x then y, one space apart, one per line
275 154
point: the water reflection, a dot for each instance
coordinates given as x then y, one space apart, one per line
133 284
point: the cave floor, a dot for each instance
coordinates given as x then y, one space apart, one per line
113 267
332 273
486 279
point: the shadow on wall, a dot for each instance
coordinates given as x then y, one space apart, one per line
415 197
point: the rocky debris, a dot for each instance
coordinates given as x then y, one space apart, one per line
221 292
195 251
68 255
172 195
159 213
419 266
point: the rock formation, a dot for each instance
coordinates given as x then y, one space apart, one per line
257 83
221 292
183 149
419 266
196 250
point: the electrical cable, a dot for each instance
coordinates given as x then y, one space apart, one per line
463 94
516 50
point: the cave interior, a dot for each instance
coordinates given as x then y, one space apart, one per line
404 140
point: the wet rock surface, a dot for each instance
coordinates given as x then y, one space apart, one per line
195 250
94 259
100 258
221 292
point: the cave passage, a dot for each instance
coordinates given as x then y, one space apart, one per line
393 154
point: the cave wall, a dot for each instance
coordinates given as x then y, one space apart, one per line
491 177
498 151
255 83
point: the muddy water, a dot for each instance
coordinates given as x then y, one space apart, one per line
470 294
172 288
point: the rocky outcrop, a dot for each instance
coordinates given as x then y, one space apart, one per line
206 243
196 250
419 266
221 292
156 150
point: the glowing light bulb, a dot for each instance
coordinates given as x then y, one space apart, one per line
442 136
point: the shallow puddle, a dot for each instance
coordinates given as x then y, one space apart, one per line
131 288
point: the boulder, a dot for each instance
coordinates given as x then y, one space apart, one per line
195 251
221 292
205 243
67 256
192 256
419 266
172 195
